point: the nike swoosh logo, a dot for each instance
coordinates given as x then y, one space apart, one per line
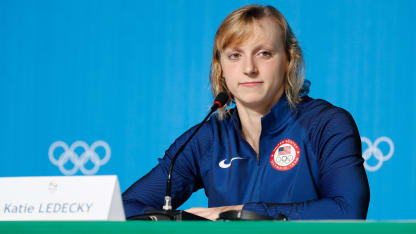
222 164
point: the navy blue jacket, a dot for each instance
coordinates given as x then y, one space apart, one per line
309 166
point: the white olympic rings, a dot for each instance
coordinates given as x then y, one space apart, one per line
79 162
374 150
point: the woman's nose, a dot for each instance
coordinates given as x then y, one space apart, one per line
250 68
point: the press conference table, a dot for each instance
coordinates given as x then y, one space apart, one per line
200 227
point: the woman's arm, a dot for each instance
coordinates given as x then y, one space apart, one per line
343 187
148 192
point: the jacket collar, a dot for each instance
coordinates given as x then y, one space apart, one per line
272 121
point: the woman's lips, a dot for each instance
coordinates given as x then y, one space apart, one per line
251 84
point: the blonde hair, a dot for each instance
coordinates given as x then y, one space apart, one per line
236 28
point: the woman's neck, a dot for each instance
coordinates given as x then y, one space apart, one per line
250 126
250 119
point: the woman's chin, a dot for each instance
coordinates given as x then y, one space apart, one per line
252 102
261 103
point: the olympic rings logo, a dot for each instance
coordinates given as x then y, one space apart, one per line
79 161
284 158
374 150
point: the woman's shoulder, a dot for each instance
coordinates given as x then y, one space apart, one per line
319 108
319 112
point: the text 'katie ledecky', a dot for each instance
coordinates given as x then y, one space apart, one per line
47 208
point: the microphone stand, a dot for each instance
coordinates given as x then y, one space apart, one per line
167 213
168 198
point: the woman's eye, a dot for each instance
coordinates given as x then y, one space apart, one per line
267 54
234 56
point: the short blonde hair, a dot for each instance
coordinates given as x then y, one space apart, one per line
236 28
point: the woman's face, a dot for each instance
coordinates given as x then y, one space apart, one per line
254 71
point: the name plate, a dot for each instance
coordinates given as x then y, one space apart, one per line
61 198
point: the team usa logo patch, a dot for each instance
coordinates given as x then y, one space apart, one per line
285 155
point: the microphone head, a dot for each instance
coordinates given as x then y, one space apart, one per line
220 100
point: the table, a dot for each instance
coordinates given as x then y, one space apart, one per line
202 227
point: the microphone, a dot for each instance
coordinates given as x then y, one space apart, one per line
220 100
167 213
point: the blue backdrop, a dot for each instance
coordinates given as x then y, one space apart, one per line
118 81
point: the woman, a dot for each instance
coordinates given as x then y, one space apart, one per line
275 152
